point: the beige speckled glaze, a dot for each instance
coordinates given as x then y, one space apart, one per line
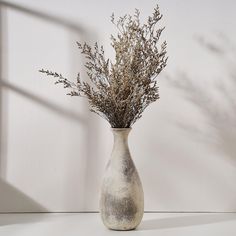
121 200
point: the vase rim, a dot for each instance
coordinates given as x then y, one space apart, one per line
121 129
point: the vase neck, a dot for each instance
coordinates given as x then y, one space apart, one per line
120 138
121 134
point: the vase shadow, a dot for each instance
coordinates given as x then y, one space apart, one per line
186 221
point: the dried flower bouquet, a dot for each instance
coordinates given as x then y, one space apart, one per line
120 90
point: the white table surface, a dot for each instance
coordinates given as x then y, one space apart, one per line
83 224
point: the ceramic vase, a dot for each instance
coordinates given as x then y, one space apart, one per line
121 197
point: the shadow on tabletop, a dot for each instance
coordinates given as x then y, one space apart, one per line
186 221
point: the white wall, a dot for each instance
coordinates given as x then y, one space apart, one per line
53 151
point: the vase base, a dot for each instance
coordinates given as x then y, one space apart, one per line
113 229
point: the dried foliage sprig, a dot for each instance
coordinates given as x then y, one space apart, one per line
120 91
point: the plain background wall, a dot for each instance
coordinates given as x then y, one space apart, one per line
54 151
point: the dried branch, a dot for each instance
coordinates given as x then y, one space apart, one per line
120 91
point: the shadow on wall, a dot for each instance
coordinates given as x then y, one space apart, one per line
12 198
73 116
216 101
44 16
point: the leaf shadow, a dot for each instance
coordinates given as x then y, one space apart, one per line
215 100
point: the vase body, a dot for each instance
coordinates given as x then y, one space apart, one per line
121 199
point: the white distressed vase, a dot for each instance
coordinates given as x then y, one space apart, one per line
121 199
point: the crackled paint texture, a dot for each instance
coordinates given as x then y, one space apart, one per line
121 200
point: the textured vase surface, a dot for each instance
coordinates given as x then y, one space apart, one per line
121 200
